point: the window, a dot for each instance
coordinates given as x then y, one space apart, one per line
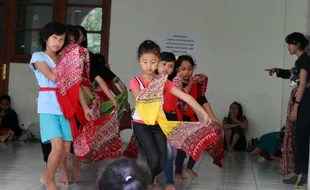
90 18
29 16
32 15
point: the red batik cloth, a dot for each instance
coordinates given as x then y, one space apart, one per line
71 72
216 148
124 118
192 137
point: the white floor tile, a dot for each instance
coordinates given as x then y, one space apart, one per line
21 166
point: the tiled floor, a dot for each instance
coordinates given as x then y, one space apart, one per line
21 166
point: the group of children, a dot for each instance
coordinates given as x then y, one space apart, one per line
156 135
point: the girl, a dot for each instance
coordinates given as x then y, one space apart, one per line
73 36
99 69
234 125
148 110
54 128
185 66
124 174
298 112
167 67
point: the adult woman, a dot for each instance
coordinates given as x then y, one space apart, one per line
298 112
234 125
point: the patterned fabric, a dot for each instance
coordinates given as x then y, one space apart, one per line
287 161
177 81
192 137
101 138
71 71
198 90
124 117
201 88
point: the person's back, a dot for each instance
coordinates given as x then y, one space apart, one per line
124 174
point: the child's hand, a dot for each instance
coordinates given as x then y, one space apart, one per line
208 120
216 122
89 115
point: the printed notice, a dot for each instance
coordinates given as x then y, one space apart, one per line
180 45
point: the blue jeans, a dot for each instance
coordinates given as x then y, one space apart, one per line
169 165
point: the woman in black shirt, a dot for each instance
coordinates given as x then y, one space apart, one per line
298 120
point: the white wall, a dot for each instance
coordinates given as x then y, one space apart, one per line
237 41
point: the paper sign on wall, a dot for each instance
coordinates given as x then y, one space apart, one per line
180 45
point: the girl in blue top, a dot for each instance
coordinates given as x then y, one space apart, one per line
54 128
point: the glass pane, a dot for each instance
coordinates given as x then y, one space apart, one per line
90 18
35 1
34 16
1 21
89 2
27 42
94 42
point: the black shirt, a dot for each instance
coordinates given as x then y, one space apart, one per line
98 68
303 62
10 120
201 100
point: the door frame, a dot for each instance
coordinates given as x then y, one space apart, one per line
4 58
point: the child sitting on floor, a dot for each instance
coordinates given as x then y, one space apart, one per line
269 146
9 126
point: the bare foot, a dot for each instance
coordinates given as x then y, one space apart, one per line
170 187
231 150
150 187
42 179
156 181
290 175
255 152
51 186
11 136
178 177
64 180
191 173
4 137
76 174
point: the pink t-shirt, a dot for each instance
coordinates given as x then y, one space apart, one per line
134 84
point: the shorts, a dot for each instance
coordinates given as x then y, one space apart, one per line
54 126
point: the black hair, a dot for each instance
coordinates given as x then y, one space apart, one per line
185 58
50 29
100 58
282 133
124 174
84 32
74 31
5 97
148 46
169 57
240 113
297 39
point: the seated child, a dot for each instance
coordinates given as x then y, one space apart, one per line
9 126
269 146
124 174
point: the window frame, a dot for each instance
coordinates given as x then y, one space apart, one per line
60 15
